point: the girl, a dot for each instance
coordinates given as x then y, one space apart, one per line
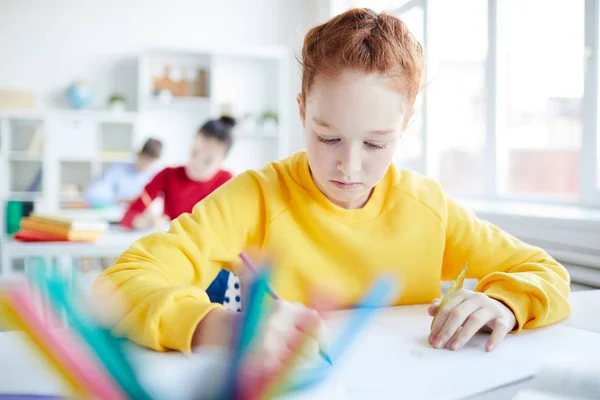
340 212
184 186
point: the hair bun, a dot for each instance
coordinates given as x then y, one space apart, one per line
227 120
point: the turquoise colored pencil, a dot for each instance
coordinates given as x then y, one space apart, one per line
275 385
65 347
250 324
250 265
104 345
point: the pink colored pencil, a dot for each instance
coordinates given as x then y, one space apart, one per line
67 348
265 386
250 265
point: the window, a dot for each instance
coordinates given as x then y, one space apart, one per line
540 83
410 151
456 58
511 107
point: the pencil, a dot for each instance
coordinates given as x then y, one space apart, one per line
145 197
250 265
68 349
10 316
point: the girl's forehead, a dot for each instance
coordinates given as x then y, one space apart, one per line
355 100
202 142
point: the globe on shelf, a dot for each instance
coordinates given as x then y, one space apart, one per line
79 95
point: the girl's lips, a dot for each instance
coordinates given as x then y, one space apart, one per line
346 185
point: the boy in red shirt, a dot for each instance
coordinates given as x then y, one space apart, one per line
184 186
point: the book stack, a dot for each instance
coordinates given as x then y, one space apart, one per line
50 228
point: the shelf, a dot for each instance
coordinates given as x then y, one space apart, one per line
24 196
102 116
24 156
76 159
110 160
31 115
176 103
70 199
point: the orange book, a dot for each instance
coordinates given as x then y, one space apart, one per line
60 232
24 235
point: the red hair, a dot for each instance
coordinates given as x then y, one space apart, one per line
365 41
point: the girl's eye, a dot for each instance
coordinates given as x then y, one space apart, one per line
327 140
374 146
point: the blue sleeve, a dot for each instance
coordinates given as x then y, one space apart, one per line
103 190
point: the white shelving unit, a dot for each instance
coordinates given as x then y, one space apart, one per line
42 152
244 83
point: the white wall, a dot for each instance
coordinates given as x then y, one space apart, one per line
45 45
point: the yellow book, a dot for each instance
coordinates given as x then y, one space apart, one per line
59 231
70 223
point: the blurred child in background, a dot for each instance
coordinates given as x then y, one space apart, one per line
123 182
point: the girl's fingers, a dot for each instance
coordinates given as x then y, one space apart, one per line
433 307
474 323
444 312
457 317
501 329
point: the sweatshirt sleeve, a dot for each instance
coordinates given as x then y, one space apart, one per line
524 277
162 277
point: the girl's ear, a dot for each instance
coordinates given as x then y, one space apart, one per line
301 109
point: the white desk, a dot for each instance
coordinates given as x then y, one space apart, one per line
373 353
114 242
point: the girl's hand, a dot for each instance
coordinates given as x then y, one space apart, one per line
288 325
465 313
149 221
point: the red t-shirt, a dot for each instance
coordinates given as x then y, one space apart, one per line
179 192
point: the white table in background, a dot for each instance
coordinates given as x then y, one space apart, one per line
21 372
114 242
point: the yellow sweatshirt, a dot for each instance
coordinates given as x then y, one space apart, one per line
408 226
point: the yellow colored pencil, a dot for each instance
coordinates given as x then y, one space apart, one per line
12 319
455 287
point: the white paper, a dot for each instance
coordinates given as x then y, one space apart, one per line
390 360
394 360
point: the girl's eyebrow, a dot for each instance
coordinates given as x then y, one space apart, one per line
382 131
322 123
327 125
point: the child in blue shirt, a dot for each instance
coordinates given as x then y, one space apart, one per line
123 182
